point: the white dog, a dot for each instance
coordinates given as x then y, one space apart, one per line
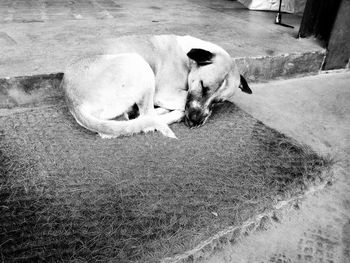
182 76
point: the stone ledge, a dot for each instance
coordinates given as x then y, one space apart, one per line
260 69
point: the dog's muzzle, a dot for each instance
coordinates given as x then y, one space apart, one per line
195 117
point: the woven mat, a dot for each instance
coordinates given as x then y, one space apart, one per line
68 195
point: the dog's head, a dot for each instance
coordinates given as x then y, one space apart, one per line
213 78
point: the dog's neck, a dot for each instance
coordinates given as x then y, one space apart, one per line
168 52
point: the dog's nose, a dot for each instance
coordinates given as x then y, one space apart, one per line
194 118
195 115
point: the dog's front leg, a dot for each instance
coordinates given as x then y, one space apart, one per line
172 116
161 111
171 103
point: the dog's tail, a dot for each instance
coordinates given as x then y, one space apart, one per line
113 128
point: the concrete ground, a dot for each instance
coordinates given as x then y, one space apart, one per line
39 37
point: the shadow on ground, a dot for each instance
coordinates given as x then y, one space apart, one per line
66 194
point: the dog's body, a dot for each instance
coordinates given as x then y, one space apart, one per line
181 75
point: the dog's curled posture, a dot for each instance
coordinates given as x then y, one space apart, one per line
162 79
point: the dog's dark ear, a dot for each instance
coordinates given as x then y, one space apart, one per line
244 86
201 56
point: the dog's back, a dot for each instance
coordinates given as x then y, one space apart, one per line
100 88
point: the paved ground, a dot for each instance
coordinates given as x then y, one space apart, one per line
42 36
314 110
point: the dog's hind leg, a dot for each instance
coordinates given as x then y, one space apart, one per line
146 108
146 105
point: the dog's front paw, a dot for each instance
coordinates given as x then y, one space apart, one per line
166 131
106 136
170 134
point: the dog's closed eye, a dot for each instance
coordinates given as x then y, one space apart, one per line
205 89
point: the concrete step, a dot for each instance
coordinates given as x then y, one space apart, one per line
265 68
43 88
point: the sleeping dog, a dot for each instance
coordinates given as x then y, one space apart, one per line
152 81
